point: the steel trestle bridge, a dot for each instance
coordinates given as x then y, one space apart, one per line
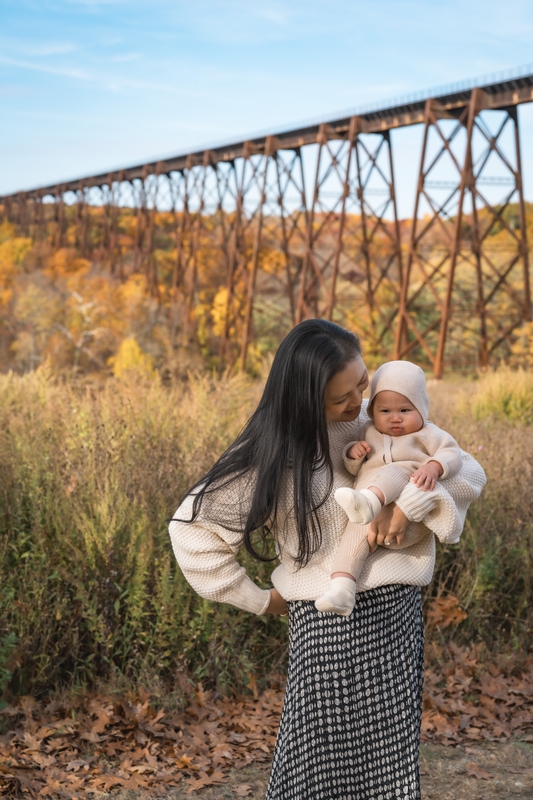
324 196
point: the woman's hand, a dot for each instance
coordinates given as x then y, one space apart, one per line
277 604
388 527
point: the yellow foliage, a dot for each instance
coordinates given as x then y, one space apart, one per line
165 263
37 307
130 360
6 295
12 253
64 262
134 290
7 230
256 358
273 262
219 310
522 349
201 314
80 311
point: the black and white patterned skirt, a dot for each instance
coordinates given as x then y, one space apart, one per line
350 726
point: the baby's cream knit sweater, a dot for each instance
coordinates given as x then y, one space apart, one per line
205 550
393 458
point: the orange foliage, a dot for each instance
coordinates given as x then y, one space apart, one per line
163 282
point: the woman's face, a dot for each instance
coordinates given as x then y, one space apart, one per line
344 392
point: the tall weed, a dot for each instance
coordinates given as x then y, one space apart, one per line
89 478
505 394
89 588
491 570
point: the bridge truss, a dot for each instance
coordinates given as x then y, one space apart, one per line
314 209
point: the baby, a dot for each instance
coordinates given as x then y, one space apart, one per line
398 445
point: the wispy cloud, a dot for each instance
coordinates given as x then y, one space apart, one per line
122 59
166 75
113 83
35 49
50 49
14 90
239 22
66 72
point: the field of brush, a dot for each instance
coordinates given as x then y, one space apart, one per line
90 474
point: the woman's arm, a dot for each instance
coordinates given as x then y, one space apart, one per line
277 604
206 552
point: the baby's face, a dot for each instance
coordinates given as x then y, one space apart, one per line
395 415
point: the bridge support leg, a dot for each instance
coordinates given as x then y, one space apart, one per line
467 272
380 238
467 180
252 276
524 249
195 225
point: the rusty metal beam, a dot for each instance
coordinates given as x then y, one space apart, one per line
335 252
500 94
436 294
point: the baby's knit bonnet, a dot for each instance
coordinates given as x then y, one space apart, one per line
405 378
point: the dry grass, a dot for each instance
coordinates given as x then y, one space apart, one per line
90 591
491 570
444 776
505 394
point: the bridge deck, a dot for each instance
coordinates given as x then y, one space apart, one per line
500 94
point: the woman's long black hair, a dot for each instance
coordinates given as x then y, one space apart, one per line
288 430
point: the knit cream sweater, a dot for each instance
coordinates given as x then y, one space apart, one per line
206 551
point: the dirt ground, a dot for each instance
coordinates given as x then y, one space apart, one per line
505 773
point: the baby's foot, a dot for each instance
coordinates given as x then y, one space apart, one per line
361 507
340 597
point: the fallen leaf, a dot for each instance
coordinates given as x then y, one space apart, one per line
75 748
91 736
205 780
74 766
184 762
475 771
444 612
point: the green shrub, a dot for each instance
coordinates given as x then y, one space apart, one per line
8 644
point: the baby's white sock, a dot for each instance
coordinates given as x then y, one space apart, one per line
361 507
340 597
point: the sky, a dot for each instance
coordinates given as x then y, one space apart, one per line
92 85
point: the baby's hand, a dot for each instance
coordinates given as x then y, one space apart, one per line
359 450
426 477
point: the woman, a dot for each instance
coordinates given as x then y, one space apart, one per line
350 726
